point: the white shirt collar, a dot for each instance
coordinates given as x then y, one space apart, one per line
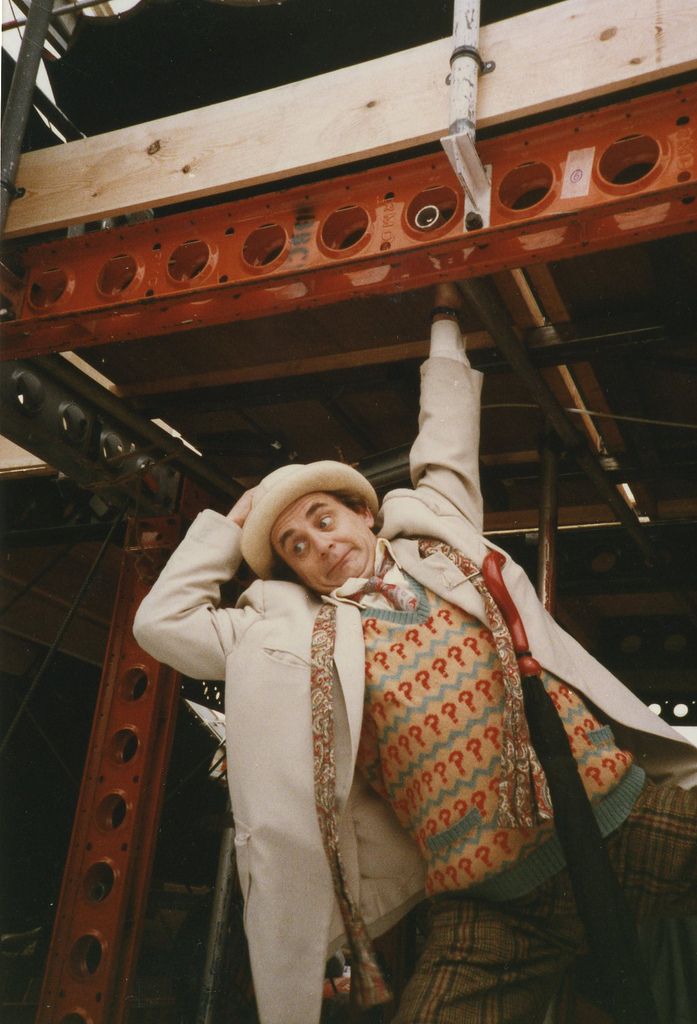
356 583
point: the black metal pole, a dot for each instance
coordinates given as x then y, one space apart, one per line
190 463
79 5
547 525
485 302
19 100
223 896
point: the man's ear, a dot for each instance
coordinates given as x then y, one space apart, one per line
366 514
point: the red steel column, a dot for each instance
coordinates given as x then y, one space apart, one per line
98 924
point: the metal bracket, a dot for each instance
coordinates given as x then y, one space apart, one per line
459 144
14 191
485 66
474 177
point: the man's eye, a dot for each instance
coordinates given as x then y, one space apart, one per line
325 522
299 547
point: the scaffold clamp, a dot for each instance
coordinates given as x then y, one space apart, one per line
474 177
485 66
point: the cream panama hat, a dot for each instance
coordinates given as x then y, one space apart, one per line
284 486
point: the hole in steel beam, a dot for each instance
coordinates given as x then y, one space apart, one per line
98 882
526 186
344 228
431 209
117 274
29 391
628 160
85 956
48 287
264 245
73 421
134 684
427 217
124 746
188 260
112 447
111 812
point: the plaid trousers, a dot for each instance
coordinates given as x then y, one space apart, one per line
501 963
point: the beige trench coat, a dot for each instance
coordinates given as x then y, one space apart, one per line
261 648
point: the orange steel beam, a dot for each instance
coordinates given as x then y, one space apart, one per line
616 176
91 960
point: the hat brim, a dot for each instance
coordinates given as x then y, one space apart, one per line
316 476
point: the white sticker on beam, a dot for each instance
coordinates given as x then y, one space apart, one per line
577 173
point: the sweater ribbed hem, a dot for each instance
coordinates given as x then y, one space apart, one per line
611 812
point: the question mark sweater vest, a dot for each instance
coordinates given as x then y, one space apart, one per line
430 746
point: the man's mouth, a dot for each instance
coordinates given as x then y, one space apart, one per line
340 561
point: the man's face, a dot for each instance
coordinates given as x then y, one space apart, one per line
324 542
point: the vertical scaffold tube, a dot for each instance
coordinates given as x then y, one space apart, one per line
19 100
547 526
464 70
219 924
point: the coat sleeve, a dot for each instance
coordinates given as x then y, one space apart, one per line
180 622
444 459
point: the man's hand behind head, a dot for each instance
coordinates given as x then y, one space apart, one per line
242 507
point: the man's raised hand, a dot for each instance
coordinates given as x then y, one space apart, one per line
242 507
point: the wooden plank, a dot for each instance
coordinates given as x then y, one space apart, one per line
545 59
518 297
542 280
15 462
523 520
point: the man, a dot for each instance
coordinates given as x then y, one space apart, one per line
376 741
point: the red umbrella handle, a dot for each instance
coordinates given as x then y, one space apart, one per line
491 571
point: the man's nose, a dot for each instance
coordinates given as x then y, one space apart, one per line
324 543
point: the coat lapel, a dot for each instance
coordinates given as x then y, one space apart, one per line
349 659
438 574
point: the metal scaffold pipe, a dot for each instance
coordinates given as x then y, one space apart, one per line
19 100
79 5
466 65
548 520
482 298
192 464
221 911
464 73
